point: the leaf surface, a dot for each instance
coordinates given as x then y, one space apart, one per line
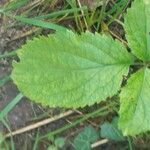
111 131
135 104
137 27
84 139
70 70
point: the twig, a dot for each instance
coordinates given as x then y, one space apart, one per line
124 9
39 124
98 143
116 36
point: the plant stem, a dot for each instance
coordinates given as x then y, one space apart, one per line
101 14
130 143
10 106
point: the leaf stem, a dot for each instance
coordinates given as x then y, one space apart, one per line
130 143
101 14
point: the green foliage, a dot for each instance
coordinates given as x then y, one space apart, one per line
70 70
1 140
15 4
135 97
111 131
85 138
3 143
57 143
4 80
40 23
137 27
52 147
134 109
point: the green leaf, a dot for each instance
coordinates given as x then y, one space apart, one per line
111 131
59 142
68 70
52 147
137 27
135 104
84 139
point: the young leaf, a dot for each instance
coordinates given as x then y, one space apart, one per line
135 104
59 142
111 131
137 27
52 147
70 70
84 140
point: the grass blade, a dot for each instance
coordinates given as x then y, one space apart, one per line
11 138
1 10
10 106
35 146
4 80
10 54
61 12
40 23
15 5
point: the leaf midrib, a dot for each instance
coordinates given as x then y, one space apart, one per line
77 86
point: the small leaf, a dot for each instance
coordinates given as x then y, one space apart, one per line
59 142
52 147
135 104
137 27
84 140
10 106
111 131
68 70
51 138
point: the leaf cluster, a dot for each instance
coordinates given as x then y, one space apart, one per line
89 135
70 70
